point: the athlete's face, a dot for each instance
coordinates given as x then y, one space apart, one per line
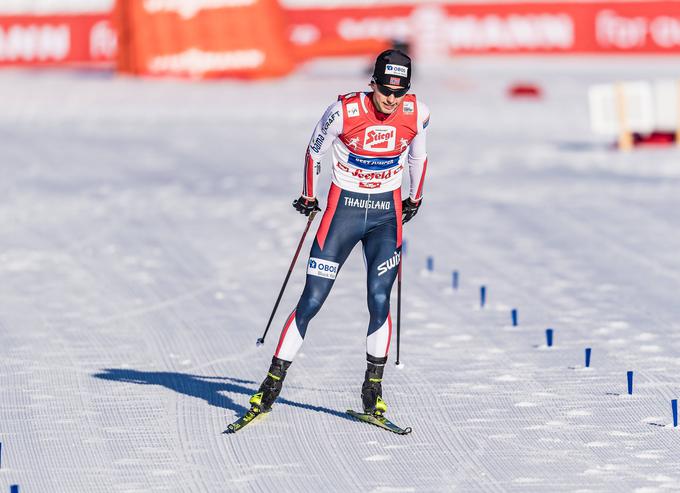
386 104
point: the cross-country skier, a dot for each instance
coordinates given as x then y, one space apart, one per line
376 137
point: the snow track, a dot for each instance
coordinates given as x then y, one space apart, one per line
145 228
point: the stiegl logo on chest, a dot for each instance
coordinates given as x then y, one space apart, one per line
380 138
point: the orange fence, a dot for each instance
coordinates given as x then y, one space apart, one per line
202 38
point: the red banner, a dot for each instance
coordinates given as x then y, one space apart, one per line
54 40
504 28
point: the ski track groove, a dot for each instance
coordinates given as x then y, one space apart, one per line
463 453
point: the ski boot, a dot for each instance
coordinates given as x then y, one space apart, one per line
371 390
262 400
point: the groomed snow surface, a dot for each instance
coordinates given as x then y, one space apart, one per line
146 227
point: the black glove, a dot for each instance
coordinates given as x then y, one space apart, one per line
409 209
306 206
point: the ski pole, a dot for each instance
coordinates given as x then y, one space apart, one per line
398 308
260 341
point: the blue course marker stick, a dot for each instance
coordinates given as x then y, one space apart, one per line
482 296
14 488
588 351
630 382
674 408
454 279
514 317
430 263
549 337
404 244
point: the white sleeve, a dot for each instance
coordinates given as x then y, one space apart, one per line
417 154
325 132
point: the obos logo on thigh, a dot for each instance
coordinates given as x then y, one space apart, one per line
322 268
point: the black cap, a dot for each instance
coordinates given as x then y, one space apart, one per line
392 67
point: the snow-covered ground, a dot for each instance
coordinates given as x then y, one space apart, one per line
146 226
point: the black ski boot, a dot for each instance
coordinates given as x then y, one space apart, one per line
371 390
262 401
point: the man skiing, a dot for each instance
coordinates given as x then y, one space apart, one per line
375 137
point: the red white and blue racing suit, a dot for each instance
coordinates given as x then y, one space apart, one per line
371 151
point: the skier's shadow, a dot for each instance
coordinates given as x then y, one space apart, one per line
210 389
